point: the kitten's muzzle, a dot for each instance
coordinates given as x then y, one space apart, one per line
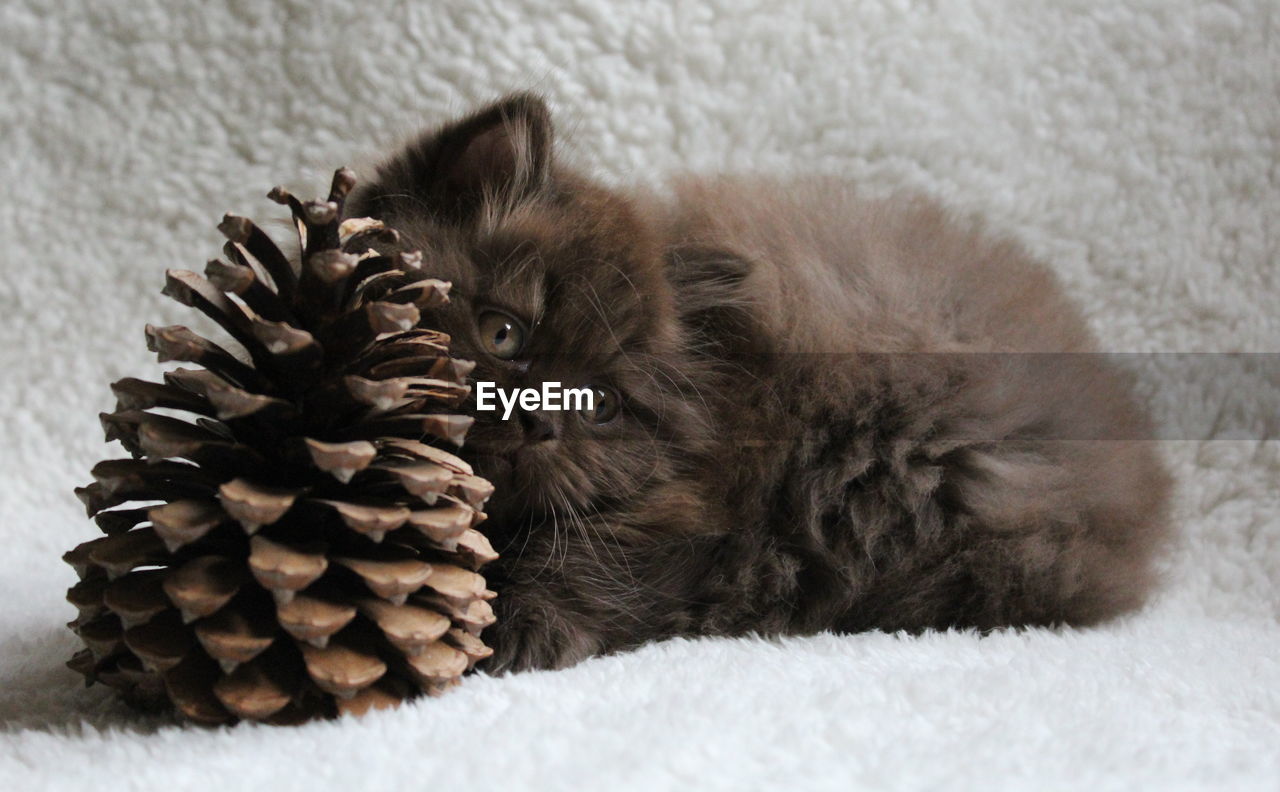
539 426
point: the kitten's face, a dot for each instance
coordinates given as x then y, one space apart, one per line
554 280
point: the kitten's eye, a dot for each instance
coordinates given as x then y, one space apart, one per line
501 334
604 405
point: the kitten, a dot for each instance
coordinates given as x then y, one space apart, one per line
813 412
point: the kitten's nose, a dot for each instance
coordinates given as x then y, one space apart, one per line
538 427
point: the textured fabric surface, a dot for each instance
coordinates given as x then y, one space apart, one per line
1131 144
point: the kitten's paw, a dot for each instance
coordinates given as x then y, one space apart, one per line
541 639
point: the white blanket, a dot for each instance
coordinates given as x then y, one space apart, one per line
1132 144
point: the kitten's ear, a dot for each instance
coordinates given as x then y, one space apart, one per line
504 149
501 153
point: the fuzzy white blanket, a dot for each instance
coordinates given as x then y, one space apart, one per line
1132 144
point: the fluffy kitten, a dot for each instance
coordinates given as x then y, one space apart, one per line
813 412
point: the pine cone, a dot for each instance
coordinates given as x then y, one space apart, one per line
313 551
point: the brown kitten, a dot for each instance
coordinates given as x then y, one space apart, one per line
815 412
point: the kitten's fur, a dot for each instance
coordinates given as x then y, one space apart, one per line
825 423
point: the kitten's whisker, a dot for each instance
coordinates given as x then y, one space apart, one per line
693 386
634 290
585 529
528 533
573 519
657 457
555 535
610 544
593 298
